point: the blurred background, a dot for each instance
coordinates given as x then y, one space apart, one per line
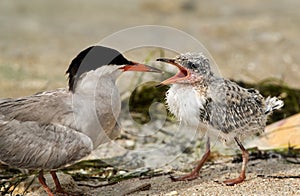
250 40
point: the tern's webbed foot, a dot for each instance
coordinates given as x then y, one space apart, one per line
234 181
187 177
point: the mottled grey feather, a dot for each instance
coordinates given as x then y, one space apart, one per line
233 108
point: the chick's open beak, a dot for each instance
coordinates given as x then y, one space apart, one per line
181 75
134 66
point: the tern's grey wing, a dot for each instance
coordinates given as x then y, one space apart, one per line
32 145
46 107
232 108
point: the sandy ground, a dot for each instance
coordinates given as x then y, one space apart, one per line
210 182
264 177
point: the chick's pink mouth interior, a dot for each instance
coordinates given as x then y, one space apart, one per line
182 73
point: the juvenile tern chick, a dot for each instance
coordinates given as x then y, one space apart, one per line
213 104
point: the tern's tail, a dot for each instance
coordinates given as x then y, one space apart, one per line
273 104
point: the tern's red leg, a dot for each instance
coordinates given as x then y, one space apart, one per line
195 173
242 176
43 183
59 189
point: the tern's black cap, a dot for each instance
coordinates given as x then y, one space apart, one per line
92 58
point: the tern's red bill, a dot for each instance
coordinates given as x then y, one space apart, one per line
134 66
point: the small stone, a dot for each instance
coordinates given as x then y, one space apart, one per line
172 193
129 144
121 172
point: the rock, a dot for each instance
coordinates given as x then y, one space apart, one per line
282 134
172 193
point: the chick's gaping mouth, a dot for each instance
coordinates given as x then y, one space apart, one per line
181 75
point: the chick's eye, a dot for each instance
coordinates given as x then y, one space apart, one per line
192 65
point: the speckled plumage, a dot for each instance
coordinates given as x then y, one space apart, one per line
215 105
221 104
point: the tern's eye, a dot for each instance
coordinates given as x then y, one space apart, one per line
192 65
